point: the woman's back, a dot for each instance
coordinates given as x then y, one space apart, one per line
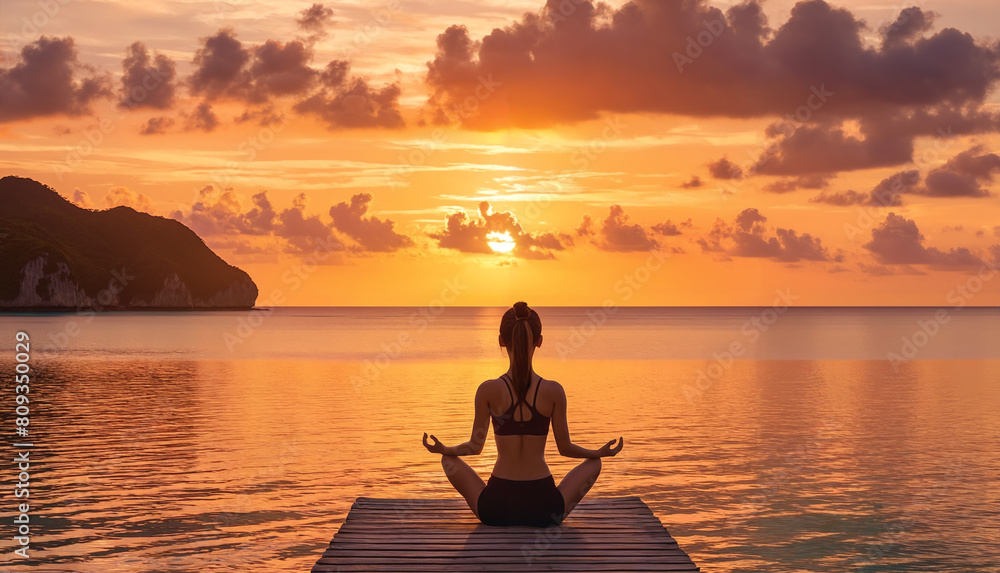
521 428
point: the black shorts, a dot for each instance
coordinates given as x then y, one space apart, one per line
536 502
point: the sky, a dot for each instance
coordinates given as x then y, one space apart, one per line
570 153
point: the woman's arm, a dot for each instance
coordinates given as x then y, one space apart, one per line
560 429
480 427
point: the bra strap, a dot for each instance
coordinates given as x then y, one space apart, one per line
534 404
509 391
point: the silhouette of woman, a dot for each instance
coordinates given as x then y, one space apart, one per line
521 490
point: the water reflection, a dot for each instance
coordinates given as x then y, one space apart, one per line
201 465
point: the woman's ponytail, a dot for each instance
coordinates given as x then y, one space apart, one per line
520 328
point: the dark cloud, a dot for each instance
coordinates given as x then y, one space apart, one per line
156 125
226 69
887 193
617 234
355 105
266 116
898 241
314 20
725 169
259 75
693 183
147 82
372 233
304 233
668 228
469 235
909 25
573 60
279 70
219 67
202 118
963 175
747 236
48 79
260 219
803 182
810 149
217 214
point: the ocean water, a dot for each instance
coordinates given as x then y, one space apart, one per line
764 439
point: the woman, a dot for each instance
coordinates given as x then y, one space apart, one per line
521 490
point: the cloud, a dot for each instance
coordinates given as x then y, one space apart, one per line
259 220
354 104
156 126
218 212
48 79
574 60
146 83
314 20
468 235
898 241
725 169
372 233
123 196
670 229
260 75
693 183
305 233
887 193
617 234
226 69
963 175
803 182
203 118
82 199
748 237
279 70
810 149
219 67
908 26
215 212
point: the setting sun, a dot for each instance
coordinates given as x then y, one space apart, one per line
500 242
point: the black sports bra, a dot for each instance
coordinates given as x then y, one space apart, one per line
506 425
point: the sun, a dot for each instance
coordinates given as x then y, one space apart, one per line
500 242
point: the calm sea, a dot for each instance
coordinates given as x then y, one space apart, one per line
855 439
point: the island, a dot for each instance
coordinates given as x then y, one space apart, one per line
57 256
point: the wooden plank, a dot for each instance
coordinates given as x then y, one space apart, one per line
435 535
457 567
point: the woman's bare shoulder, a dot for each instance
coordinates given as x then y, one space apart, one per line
491 384
553 388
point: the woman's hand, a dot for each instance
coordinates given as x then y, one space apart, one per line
610 449
437 447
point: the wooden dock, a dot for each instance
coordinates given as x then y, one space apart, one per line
618 534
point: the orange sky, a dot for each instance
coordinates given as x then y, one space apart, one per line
572 133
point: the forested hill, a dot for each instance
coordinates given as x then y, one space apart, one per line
55 255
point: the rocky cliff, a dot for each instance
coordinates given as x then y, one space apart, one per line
55 255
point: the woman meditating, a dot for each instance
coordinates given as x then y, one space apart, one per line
521 490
